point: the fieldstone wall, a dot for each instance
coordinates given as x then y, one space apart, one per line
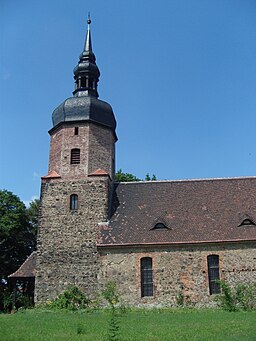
67 253
176 270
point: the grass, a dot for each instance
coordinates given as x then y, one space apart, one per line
156 324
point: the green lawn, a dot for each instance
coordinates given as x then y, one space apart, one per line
135 325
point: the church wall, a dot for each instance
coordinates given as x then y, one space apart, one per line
176 270
67 252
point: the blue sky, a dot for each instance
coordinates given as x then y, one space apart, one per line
179 74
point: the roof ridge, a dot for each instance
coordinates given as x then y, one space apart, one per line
187 180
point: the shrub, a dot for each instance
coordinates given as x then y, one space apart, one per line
242 296
72 299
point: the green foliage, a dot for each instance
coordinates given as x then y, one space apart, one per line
242 296
32 213
114 325
138 324
120 176
227 297
72 299
18 227
180 299
125 177
148 178
111 295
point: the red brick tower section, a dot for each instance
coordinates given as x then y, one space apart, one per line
80 148
75 194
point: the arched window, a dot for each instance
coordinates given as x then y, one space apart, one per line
146 276
75 156
73 202
213 274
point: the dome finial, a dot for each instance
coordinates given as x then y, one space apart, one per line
86 73
89 19
88 43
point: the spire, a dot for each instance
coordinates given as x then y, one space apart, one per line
88 41
86 73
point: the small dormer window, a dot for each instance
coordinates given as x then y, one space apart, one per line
160 226
247 222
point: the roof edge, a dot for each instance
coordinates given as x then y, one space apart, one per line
188 180
53 129
176 243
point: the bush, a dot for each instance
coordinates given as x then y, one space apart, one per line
242 296
72 299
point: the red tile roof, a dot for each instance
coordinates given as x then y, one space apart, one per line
194 211
98 172
51 175
27 269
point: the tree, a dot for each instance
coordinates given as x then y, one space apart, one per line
125 177
32 214
18 227
120 176
148 178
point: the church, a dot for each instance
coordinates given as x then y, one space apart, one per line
157 240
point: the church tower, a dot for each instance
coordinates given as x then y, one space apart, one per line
76 192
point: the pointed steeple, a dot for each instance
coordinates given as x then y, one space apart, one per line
86 73
88 40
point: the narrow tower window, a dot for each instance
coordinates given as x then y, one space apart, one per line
213 274
76 130
75 156
73 202
146 276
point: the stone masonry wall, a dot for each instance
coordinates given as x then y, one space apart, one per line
67 253
176 270
97 150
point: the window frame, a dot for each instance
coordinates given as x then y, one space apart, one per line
76 131
213 265
73 202
146 276
75 156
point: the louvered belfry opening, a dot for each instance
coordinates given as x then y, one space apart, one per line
75 156
213 274
146 277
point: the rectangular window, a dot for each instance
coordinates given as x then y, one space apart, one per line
75 156
146 277
213 274
76 130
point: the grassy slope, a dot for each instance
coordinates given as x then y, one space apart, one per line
36 325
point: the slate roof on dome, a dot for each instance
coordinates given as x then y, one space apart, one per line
194 211
84 108
27 269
